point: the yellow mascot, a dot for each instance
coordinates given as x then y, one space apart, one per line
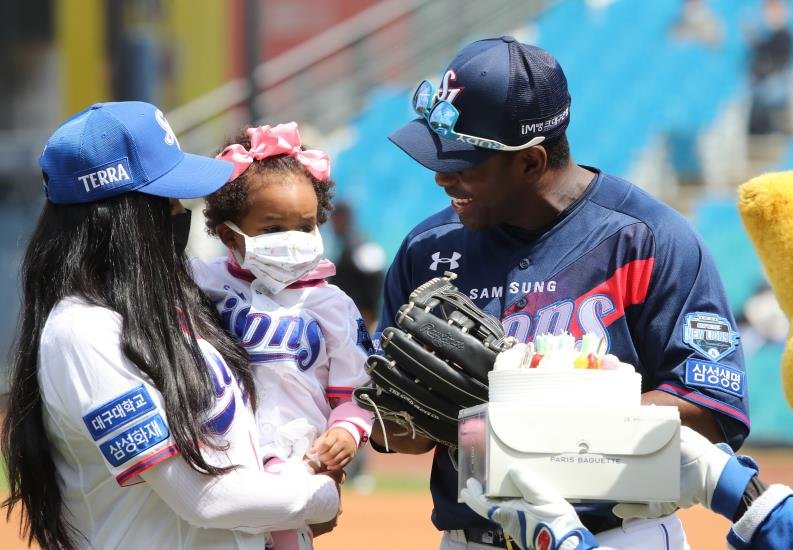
766 207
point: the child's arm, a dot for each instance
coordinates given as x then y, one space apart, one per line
348 346
349 427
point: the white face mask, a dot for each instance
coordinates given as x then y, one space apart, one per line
279 259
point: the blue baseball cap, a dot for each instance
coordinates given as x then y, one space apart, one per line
113 148
504 91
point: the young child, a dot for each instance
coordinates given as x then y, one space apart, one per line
304 337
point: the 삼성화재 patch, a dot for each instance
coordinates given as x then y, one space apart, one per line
133 441
706 374
710 335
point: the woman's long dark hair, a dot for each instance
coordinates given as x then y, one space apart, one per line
117 253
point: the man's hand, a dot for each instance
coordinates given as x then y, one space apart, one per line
339 477
542 519
399 440
335 448
701 466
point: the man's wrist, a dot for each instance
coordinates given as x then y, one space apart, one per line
754 489
733 482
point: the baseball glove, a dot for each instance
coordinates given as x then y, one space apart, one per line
435 362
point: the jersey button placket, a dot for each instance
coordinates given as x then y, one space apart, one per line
519 274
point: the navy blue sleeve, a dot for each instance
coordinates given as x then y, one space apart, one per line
395 294
687 340
396 289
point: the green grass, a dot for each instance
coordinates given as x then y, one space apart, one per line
392 483
3 477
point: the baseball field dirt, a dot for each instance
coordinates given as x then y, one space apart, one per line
393 512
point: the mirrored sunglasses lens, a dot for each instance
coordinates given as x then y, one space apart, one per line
422 99
443 117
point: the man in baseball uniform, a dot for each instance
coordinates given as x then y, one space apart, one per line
547 246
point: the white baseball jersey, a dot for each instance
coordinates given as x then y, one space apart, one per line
107 425
307 344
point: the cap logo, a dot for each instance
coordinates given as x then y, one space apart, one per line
445 92
170 137
109 174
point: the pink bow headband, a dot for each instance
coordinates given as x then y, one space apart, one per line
268 141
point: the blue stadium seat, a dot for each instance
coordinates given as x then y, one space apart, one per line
630 82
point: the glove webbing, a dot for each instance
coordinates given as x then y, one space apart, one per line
440 291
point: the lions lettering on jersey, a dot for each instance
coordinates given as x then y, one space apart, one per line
592 311
290 338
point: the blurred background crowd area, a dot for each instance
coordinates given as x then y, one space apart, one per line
685 98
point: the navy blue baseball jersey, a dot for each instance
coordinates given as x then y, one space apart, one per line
618 263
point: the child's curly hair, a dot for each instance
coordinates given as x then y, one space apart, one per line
230 202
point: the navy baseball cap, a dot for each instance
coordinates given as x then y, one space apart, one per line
113 148
504 91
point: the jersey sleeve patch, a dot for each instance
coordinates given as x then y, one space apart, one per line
710 335
118 412
376 348
706 374
133 441
363 338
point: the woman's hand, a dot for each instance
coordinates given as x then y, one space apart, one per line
339 477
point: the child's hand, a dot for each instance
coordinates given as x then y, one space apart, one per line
335 448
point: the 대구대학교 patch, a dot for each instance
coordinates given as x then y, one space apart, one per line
118 412
710 335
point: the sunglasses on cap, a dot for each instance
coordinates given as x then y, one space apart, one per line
441 116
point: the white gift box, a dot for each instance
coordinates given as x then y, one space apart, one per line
627 454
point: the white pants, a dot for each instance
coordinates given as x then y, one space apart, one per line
664 533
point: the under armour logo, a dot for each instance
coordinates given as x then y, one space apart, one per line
453 264
170 137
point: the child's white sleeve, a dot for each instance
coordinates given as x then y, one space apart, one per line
349 344
244 499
